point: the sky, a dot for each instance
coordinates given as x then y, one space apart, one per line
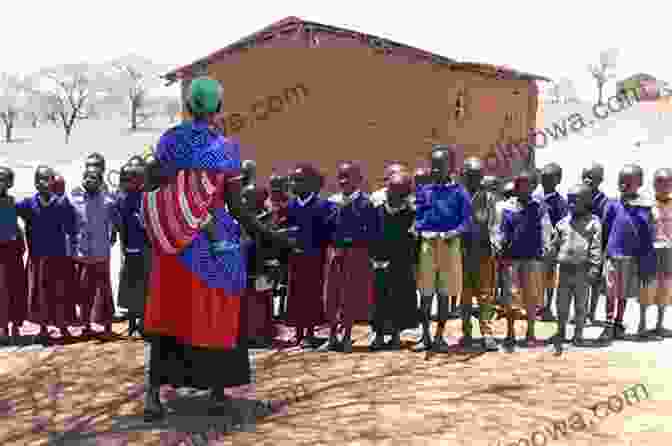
554 39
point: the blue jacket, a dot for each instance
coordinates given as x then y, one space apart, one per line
442 208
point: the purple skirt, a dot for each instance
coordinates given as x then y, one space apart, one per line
13 284
51 299
305 291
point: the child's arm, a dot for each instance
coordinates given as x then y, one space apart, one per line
546 233
557 238
503 231
115 221
607 222
647 262
466 213
421 207
491 205
595 250
70 225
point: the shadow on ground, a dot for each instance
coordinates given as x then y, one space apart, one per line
91 393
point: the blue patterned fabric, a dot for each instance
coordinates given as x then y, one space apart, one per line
193 145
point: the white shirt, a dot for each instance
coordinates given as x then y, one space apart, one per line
303 203
379 197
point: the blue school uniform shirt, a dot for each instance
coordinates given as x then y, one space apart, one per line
557 207
355 218
525 230
442 208
630 232
129 209
314 220
52 227
96 216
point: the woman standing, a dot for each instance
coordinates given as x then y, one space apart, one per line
192 213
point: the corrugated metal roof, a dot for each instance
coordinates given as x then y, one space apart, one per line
290 24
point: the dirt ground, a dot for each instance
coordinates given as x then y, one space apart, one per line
94 390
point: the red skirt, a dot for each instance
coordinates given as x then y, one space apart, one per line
50 297
305 290
180 305
349 284
257 314
93 291
13 284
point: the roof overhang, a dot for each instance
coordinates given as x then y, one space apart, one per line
294 24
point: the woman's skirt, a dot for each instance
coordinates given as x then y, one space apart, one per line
305 292
13 284
94 292
51 300
194 330
134 282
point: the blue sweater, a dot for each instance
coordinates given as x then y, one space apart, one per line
525 231
629 231
53 228
356 220
442 208
314 223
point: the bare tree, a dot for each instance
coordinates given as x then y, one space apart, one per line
172 109
132 77
11 102
72 88
554 93
602 72
567 90
36 107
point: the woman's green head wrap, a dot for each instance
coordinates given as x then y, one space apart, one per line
205 95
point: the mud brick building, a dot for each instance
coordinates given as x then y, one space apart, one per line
299 90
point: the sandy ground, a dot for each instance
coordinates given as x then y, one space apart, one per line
94 391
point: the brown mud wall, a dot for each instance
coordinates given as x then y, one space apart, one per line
326 105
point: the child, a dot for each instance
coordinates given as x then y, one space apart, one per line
97 161
577 247
504 278
96 219
311 215
379 196
13 286
478 260
556 205
349 279
393 259
257 305
443 215
52 240
136 252
593 177
421 177
630 256
660 293
524 237
277 203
